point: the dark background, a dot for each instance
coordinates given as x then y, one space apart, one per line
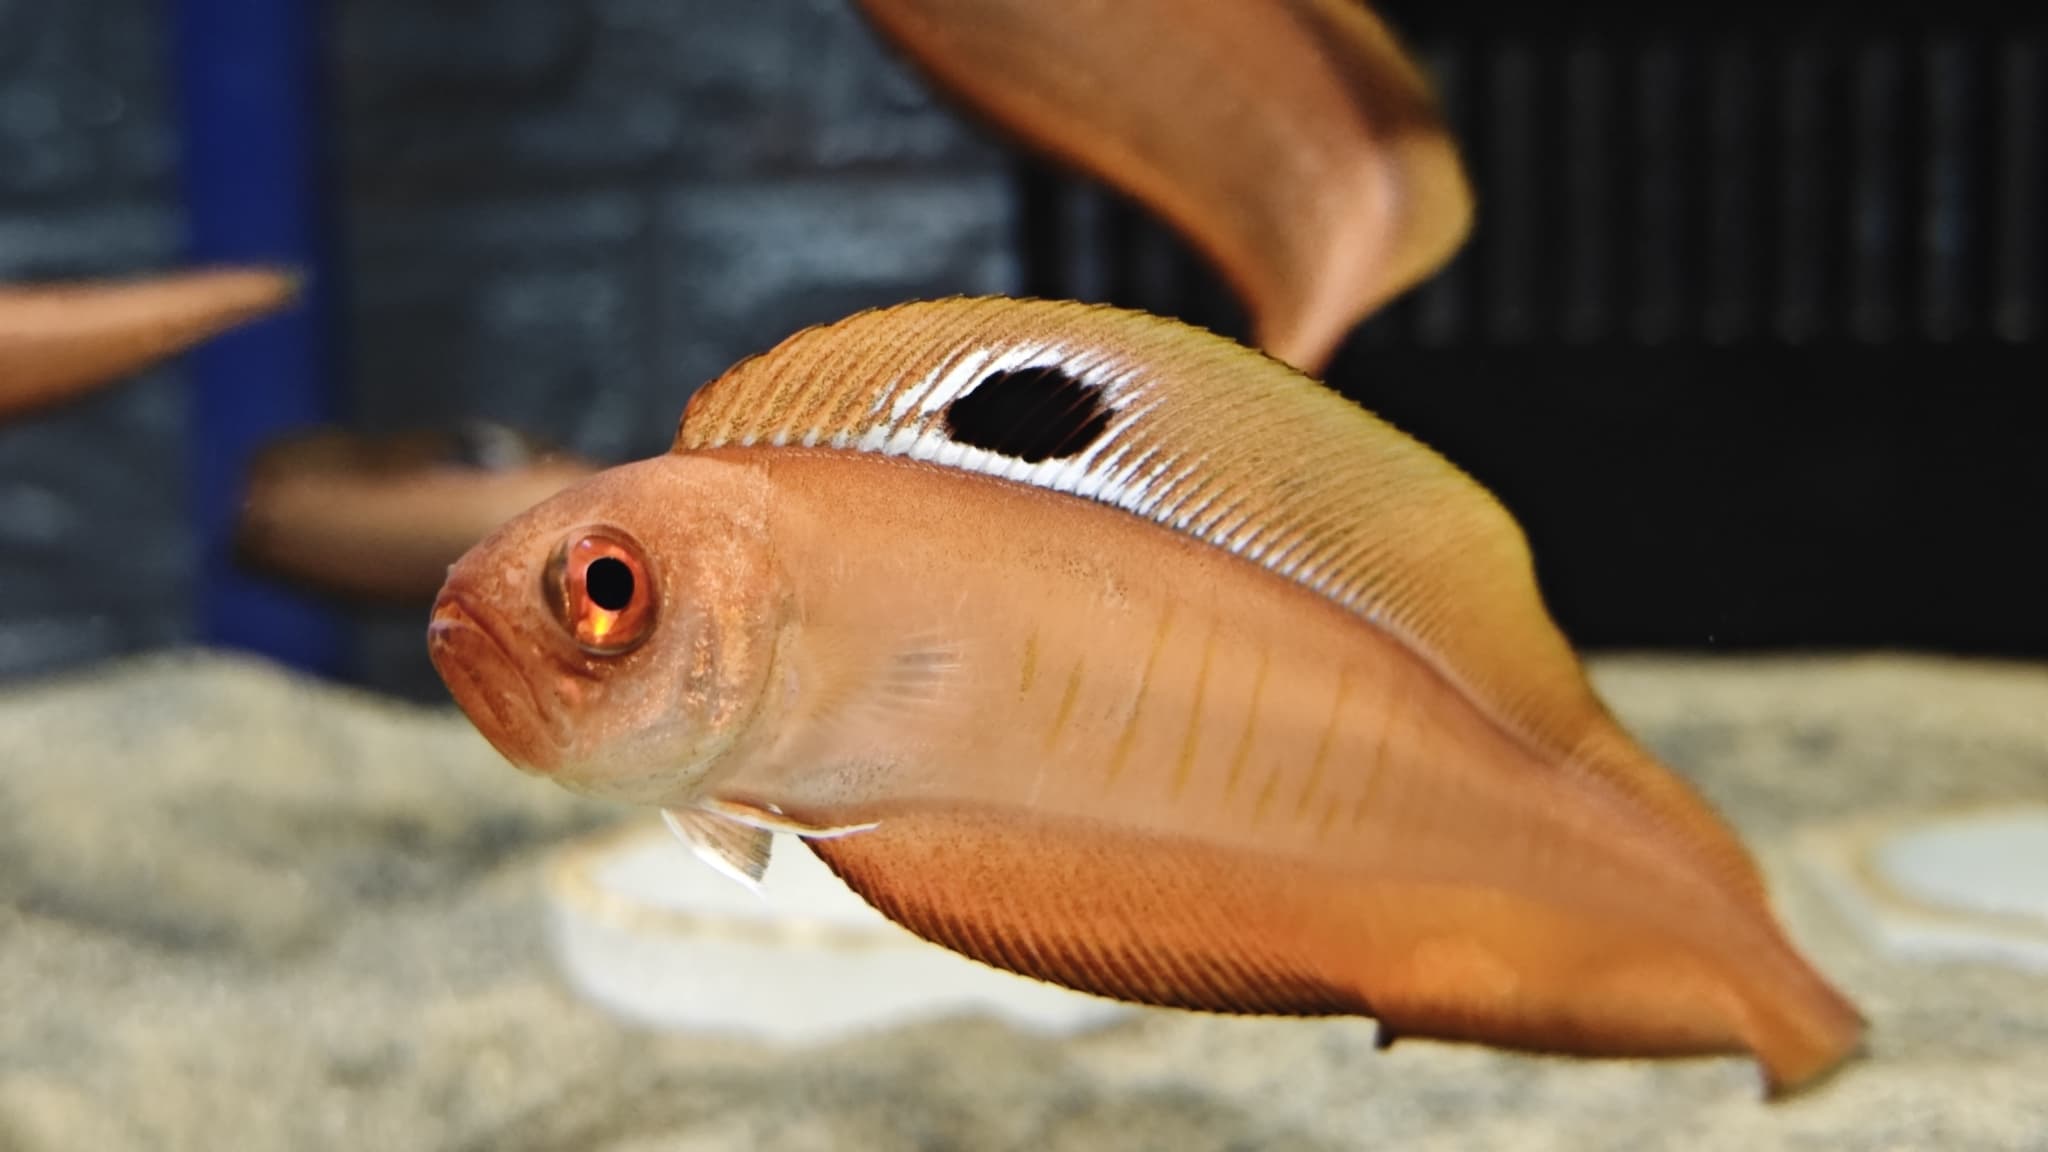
1750 335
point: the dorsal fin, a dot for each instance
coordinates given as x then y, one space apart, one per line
1214 440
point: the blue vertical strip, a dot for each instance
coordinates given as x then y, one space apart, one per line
250 84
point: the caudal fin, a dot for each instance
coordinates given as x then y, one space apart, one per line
1800 1028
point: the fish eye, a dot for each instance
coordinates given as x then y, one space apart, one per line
598 586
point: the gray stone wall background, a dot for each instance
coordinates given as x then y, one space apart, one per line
561 214
94 554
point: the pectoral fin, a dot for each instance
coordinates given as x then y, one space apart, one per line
768 819
734 849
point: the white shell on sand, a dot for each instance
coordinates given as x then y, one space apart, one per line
1968 885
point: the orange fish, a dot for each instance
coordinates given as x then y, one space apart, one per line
57 341
1105 650
1293 141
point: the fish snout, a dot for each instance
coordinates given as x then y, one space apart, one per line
453 634
484 675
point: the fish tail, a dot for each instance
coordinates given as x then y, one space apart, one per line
1798 1025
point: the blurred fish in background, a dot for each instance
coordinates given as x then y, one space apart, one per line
1296 143
380 519
58 341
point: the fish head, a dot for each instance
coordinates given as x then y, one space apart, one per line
617 637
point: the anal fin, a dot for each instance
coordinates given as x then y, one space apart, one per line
1090 908
1180 924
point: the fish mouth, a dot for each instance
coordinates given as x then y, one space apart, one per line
482 673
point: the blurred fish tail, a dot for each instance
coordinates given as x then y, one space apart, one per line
1799 1026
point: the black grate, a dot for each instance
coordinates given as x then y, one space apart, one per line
1750 333
1659 186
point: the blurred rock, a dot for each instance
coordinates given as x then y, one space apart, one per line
480 95
747 265
526 312
82 115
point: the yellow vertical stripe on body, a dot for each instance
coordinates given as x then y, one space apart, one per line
1190 739
1073 693
1265 800
1129 735
1315 770
1251 722
1371 789
1029 672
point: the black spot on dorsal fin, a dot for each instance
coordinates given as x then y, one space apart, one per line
1033 414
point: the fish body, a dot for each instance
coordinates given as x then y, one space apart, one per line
1069 716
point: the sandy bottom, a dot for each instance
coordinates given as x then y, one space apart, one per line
241 911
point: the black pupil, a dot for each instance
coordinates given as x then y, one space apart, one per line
609 582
